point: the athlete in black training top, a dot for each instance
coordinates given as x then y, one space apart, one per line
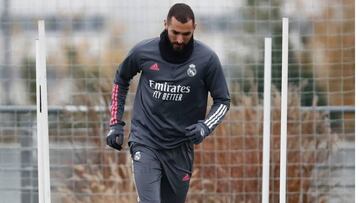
169 112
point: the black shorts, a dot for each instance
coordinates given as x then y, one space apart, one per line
162 176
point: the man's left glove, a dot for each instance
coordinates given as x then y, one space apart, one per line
115 137
196 133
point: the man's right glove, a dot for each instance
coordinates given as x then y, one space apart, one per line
115 137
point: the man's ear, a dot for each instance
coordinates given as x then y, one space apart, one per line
165 24
195 26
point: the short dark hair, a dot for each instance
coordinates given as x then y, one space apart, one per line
182 12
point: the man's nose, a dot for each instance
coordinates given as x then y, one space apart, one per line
179 39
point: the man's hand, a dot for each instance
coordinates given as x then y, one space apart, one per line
115 137
196 133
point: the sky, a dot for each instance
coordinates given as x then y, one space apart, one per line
121 7
139 18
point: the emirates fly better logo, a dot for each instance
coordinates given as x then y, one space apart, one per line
167 91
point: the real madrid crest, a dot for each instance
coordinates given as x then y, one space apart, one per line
137 156
191 71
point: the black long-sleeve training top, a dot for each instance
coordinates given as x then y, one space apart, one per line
170 96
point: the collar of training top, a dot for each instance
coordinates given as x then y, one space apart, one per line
167 52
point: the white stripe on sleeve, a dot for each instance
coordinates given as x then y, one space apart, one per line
215 115
222 113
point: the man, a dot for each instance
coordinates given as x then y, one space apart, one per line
169 113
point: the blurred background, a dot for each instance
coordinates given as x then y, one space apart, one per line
87 39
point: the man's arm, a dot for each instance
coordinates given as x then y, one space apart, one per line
216 84
126 71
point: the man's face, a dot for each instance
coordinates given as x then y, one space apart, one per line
179 33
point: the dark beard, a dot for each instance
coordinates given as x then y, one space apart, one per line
178 48
171 54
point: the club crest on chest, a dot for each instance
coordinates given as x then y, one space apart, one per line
191 71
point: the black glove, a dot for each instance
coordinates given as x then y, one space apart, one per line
196 133
115 137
